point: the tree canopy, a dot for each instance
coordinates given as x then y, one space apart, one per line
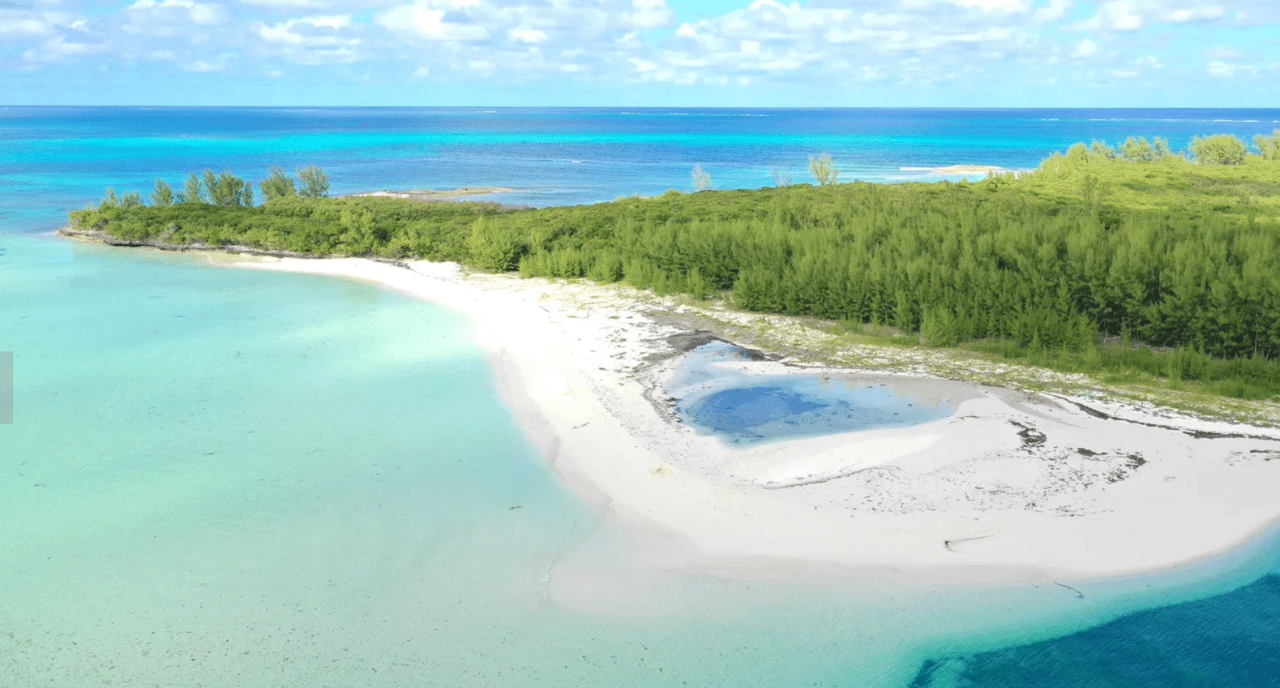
1093 245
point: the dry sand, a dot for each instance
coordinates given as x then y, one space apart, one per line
438 194
1064 486
966 169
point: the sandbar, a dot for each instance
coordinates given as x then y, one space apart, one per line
1067 486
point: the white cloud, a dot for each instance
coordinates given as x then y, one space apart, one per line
57 49
1221 52
649 14
1226 70
1006 6
33 23
1085 48
824 43
1131 15
530 36
205 66
1191 14
296 4
1264 13
1051 12
423 21
1118 15
311 40
285 32
198 13
27 25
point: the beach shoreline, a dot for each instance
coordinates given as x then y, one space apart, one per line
967 169
1011 486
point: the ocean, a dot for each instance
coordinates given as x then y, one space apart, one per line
230 477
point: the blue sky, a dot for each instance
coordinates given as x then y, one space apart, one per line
938 53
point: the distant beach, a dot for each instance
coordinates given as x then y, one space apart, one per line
966 169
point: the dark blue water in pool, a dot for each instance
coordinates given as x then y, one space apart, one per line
743 408
798 406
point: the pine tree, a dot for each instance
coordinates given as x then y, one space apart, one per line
163 194
315 183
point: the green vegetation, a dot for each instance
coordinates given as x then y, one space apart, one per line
1138 150
1128 262
822 169
315 183
1268 146
163 195
278 185
192 191
701 179
1223 149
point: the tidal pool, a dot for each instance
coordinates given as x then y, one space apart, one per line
720 398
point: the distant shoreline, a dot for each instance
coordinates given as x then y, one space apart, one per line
966 169
461 194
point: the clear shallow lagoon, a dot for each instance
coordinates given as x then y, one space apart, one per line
743 408
227 477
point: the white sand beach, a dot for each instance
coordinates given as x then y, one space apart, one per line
966 169
1062 486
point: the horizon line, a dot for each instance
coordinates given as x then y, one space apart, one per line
636 107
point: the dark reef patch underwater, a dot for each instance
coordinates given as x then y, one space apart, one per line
1227 641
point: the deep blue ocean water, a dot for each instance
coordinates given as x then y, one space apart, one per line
221 477
53 159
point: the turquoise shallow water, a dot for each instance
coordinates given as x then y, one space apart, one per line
275 479
228 477
219 475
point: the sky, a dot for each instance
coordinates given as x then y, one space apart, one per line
732 53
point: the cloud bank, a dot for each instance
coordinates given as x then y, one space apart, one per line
913 46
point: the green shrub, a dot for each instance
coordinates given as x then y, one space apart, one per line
1220 149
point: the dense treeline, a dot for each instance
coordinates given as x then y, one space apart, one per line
225 189
1140 244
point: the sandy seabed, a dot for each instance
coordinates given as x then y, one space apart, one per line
1034 486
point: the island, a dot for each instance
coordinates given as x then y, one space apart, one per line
1103 330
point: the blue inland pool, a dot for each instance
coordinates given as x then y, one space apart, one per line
717 397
